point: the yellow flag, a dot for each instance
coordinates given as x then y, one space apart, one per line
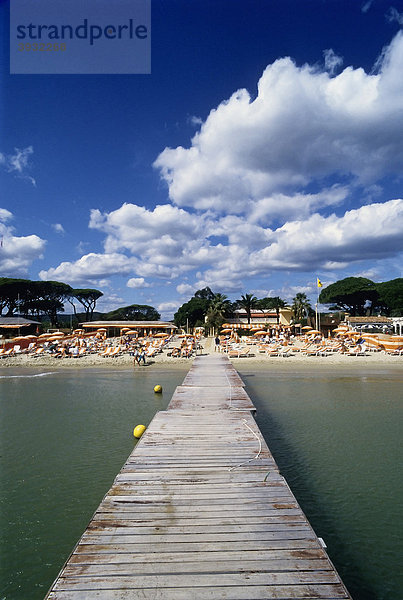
319 283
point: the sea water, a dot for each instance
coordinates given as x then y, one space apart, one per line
64 436
336 437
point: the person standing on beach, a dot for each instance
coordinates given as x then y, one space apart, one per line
136 357
141 356
217 344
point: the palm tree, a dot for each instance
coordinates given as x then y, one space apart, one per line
278 303
248 302
301 306
218 309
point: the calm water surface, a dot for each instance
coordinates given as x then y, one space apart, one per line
64 436
336 437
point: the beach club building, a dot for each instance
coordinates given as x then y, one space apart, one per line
143 328
11 326
261 318
372 324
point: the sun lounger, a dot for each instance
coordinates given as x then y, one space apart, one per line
115 351
239 352
106 352
6 353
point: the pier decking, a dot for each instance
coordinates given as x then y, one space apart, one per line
199 511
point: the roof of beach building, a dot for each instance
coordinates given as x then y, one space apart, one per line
369 319
121 324
16 322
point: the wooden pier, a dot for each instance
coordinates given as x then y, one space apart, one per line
199 511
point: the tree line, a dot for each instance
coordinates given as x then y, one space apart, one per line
212 309
47 298
36 298
360 296
355 295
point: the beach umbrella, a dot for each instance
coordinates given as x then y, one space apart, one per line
314 332
101 329
132 332
306 327
260 332
161 335
225 330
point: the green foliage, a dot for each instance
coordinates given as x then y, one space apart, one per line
204 303
391 296
11 291
275 303
205 294
350 294
192 312
220 307
301 307
248 302
88 299
134 312
42 297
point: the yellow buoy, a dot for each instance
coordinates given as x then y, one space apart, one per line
158 389
138 431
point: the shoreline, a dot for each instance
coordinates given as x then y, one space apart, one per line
125 361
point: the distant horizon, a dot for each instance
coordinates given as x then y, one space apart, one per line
264 151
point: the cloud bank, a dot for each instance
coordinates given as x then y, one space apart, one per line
17 253
277 182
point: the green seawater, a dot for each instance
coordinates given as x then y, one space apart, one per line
64 436
336 437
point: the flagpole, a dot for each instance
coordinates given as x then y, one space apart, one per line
318 286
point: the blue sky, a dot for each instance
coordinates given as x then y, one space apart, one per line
265 149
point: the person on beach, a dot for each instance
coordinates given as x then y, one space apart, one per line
142 356
217 344
135 355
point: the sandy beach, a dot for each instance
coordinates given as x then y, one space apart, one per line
294 361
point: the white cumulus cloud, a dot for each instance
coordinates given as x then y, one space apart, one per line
90 268
17 253
303 125
137 283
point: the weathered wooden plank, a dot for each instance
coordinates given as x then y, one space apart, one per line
114 505
307 592
171 530
198 580
116 567
200 398
123 519
95 537
128 489
273 544
203 557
